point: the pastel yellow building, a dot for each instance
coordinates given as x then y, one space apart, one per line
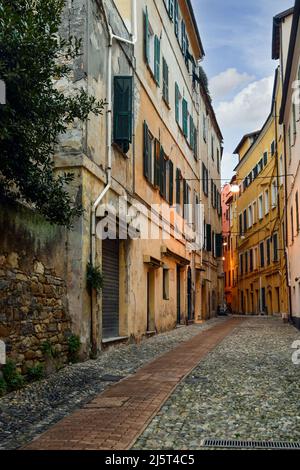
261 285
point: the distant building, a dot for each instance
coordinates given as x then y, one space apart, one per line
286 44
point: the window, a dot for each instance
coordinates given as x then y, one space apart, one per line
260 166
165 81
178 105
246 262
268 251
151 48
218 160
183 38
297 212
292 224
204 179
241 224
245 220
186 201
251 260
213 244
281 170
185 117
255 172
254 212
212 147
255 259
241 265
273 148
178 189
274 194
170 193
176 18
250 217
149 172
265 158
266 202
204 120
262 254
170 6
123 112
166 284
275 248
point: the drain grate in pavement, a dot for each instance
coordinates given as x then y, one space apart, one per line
234 444
111 378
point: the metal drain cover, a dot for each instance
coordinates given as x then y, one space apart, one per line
235 444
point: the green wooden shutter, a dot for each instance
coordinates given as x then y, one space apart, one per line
219 245
171 9
123 111
171 183
146 151
192 133
165 81
185 117
146 37
176 18
157 59
162 167
178 186
157 164
177 94
208 237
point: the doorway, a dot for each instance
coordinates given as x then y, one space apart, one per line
110 292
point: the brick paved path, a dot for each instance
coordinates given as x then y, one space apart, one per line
116 418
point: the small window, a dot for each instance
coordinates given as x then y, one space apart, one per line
275 248
266 202
274 194
262 254
260 207
165 81
273 148
265 158
166 284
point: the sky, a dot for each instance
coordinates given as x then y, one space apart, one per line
237 39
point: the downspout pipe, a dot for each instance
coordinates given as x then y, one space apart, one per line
99 199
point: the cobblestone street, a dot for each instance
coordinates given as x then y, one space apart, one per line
244 387
247 388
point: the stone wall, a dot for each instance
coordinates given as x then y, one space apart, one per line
33 293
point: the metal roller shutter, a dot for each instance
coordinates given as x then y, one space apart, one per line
110 302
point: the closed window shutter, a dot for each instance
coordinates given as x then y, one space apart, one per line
177 94
185 117
165 81
208 237
191 132
195 143
171 9
146 151
176 18
219 243
162 166
171 183
157 60
146 37
157 164
178 186
123 110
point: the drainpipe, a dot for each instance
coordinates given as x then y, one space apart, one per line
108 147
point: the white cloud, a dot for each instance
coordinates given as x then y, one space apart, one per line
227 82
248 109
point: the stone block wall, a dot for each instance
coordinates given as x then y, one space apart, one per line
33 291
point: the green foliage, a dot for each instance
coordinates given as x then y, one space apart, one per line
12 377
33 56
3 386
94 277
47 349
35 373
74 347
